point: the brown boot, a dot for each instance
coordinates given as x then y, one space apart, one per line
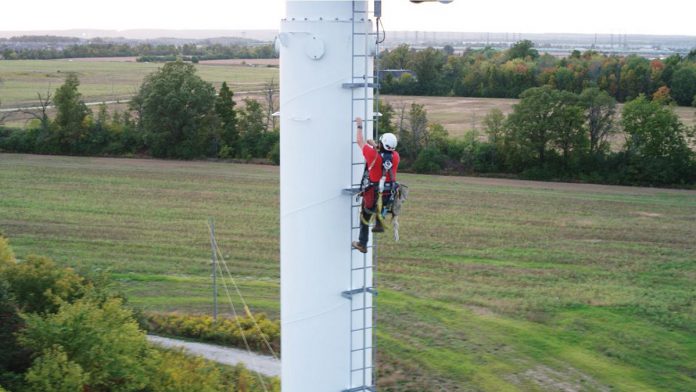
378 227
357 245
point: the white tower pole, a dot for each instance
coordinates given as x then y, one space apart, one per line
316 134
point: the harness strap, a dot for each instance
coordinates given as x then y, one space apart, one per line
366 185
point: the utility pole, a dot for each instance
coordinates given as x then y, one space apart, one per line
213 252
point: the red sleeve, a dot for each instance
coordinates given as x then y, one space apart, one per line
395 160
369 153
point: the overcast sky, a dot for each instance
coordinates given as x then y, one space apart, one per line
530 16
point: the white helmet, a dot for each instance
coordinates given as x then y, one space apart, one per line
388 141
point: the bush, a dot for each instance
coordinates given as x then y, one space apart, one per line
103 338
38 286
7 256
429 160
274 155
539 173
13 359
269 141
225 331
173 371
53 372
486 158
16 140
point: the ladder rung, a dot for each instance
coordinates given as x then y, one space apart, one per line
349 294
357 164
362 329
360 84
361 349
362 268
361 369
370 388
367 247
359 309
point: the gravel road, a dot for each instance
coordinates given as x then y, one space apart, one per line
229 356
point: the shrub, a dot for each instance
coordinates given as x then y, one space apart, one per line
274 155
173 371
39 286
103 338
7 256
16 140
225 331
429 160
53 372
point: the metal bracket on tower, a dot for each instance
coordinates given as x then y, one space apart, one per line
351 191
349 294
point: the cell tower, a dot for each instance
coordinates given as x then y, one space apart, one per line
327 78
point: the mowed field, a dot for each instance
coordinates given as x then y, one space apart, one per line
107 80
496 285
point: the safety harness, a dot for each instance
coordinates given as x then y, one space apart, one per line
380 188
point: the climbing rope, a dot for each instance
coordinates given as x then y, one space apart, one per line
241 297
241 330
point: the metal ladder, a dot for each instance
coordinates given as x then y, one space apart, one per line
363 273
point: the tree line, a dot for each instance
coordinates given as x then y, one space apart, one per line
551 133
559 135
507 74
67 331
144 51
175 114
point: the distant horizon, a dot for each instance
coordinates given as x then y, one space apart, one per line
89 33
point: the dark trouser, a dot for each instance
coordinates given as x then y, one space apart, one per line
364 229
369 205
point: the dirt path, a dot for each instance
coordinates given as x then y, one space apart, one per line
225 355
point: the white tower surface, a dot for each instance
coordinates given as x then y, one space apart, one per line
318 161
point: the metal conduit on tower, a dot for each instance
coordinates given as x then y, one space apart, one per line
327 50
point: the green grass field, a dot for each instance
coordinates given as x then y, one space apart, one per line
497 285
